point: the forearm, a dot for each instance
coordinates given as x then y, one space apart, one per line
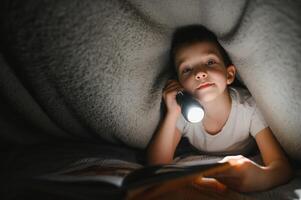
162 147
276 173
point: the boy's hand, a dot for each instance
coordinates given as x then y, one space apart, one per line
244 175
169 95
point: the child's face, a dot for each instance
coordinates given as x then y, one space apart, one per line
202 72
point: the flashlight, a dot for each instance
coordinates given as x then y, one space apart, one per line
191 109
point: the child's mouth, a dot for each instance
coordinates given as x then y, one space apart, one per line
204 85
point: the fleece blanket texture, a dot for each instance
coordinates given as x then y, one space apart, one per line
94 70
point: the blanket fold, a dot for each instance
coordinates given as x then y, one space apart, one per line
95 69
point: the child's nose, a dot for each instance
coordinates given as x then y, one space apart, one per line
200 74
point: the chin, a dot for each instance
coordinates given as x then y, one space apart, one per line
205 97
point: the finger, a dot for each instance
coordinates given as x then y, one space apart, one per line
227 158
235 161
171 92
230 182
211 183
229 172
171 82
172 88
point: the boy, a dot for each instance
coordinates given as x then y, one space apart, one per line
231 118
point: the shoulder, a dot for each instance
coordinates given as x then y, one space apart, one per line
247 110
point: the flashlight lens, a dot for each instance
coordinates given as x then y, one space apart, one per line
195 114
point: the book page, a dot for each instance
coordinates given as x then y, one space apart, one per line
111 172
166 178
106 179
161 173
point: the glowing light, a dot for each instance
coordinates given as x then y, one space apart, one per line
195 114
191 109
298 193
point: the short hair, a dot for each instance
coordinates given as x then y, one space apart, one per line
191 34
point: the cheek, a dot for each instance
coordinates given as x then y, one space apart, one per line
183 80
220 76
186 82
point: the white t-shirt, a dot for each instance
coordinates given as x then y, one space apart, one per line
237 136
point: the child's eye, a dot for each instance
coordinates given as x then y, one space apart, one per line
186 70
211 62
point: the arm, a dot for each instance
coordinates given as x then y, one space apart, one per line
247 176
162 146
277 169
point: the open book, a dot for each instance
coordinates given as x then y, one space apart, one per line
134 179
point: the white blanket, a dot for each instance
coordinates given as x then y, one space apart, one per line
96 69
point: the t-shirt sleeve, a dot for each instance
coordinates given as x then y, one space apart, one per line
181 125
257 122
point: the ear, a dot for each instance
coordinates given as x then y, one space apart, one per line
231 71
